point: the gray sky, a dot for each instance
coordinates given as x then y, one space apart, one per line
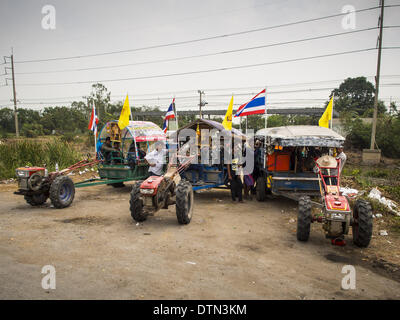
89 27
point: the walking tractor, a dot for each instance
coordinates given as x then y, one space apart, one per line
183 176
298 163
121 162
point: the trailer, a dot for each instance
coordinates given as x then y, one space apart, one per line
124 164
298 162
185 175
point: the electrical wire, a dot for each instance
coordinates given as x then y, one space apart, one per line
200 39
207 70
202 55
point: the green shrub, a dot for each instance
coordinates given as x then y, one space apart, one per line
26 153
32 130
377 173
68 137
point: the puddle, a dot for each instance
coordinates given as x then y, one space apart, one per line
88 221
336 258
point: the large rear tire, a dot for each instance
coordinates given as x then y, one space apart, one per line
136 204
184 202
261 189
36 199
362 223
304 219
62 192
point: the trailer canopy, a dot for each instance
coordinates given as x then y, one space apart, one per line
299 136
210 124
138 130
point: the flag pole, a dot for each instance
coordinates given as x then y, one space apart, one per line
246 124
95 131
333 100
130 109
176 114
265 109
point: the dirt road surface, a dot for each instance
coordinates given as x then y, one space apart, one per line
228 251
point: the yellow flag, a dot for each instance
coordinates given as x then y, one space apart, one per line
227 123
327 116
125 114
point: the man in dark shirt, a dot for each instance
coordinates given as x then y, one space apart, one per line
107 149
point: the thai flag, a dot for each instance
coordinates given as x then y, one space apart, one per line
255 106
93 120
169 115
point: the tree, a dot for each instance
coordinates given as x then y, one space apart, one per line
356 95
101 97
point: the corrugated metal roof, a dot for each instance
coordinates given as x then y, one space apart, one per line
302 136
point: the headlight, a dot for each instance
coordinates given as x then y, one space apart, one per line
147 191
22 173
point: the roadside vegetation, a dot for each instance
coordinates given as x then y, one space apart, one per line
21 153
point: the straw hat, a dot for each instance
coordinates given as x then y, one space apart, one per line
327 162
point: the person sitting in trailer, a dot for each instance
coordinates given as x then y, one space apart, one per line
132 154
106 150
117 153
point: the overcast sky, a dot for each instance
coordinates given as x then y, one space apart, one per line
91 27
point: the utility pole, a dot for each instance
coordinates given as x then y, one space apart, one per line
14 92
202 103
378 71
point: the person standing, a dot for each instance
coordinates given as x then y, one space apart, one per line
342 156
156 160
234 177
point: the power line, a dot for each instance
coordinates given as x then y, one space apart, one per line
207 70
220 95
200 39
206 54
231 90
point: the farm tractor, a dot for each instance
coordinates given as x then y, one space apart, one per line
295 164
36 184
337 216
159 192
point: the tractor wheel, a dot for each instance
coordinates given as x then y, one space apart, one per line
184 202
62 192
118 185
36 199
304 219
260 188
136 204
362 223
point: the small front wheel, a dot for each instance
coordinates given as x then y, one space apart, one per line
184 202
62 192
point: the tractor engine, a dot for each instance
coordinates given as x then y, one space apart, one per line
338 213
152 191
30 178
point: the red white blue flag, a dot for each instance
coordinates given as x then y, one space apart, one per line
93 120
169 115
255 106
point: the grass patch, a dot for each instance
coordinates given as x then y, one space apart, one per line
395 227
29 152
393 192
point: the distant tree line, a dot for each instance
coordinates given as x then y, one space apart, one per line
353 99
